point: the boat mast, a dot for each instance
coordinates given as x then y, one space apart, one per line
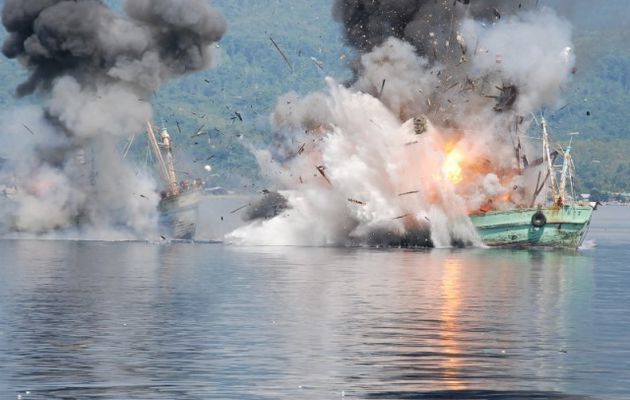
547 155
167 171
565 174
170 164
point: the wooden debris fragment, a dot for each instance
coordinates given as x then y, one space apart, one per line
322 171
199 131
318 63
237 115
355 201
286 60
28 129
239 209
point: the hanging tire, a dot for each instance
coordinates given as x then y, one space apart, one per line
539 220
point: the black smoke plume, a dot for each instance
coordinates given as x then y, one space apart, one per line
159 39
429 25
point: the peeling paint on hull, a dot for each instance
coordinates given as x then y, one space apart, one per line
565 227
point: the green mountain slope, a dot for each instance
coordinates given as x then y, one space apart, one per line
252 74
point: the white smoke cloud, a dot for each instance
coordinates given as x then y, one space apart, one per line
399 77
369 163
534 50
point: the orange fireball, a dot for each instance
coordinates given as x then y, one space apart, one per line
451 169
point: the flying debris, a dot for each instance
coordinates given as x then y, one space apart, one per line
239 208
380 92
284 56
318 63
539 162
322 171
28 129
420 125
359 202
237 116
199 131
270 205
506 99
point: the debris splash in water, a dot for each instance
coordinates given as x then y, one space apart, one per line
96 71
425 132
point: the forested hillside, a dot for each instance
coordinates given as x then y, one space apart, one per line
232 101
598 99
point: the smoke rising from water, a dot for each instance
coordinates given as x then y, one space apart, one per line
357 168
96 71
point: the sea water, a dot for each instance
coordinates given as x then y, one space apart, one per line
97 320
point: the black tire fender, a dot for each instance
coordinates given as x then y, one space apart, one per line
539 220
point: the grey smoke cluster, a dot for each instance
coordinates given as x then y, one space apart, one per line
429 25
96 71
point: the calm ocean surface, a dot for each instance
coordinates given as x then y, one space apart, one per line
81 320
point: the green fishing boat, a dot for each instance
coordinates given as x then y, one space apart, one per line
557 222
557 227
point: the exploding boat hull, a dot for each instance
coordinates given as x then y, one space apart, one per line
178 215
552 227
